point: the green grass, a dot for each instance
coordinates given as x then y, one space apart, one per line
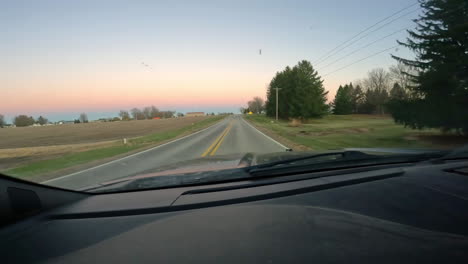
345 131
66 161
41 167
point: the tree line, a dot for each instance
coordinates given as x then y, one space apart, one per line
373 94
24 120
430 91
149 112
256 106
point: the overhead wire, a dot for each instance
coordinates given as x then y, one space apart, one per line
363 31
351 43
374 54
346 66
361 48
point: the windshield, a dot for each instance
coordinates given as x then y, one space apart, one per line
98 92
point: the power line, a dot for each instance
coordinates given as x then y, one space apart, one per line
377 53
356 35
349 44
363 47
365 58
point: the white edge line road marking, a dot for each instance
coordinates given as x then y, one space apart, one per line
283 146
132 155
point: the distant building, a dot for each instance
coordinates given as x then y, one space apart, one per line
61 122
189 114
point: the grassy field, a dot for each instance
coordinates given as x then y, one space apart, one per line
111 149
344 131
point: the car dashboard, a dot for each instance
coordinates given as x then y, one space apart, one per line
394 214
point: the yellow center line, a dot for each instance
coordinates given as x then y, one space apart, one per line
221 141
216 141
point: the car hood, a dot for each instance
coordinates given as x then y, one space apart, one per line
240 160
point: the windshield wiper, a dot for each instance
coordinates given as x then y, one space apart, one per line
321 162
348 155
344 160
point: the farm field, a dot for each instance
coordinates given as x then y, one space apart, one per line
28 151
88 132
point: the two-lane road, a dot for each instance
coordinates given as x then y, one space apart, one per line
229 136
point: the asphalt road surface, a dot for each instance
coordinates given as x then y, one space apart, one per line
229 136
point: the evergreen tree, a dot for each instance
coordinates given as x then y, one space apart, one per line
368 106
343 104
440 94
357 99
397 92
302 94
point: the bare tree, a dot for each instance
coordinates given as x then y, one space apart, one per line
377 86
2 120
404 75
147 112
378 79
83 118
124 115
167 114
154 111
137 114
256 105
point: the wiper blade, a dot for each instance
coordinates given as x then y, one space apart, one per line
170 181
348 155
347 160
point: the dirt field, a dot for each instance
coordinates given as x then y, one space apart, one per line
25 145
20 137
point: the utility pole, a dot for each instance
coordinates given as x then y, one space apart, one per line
277 102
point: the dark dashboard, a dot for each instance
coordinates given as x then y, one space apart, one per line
399 214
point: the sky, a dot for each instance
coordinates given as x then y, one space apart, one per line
61 58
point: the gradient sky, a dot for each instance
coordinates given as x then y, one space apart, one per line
60 58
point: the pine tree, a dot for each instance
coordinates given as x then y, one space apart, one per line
343 105
302 94
440 94
369 105
397 92
357 99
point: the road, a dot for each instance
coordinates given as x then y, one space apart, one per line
229 136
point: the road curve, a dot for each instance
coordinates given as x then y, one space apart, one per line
231 135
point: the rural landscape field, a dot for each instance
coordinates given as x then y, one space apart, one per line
39 153
353 131
25 151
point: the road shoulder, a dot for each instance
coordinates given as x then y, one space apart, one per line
284 141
